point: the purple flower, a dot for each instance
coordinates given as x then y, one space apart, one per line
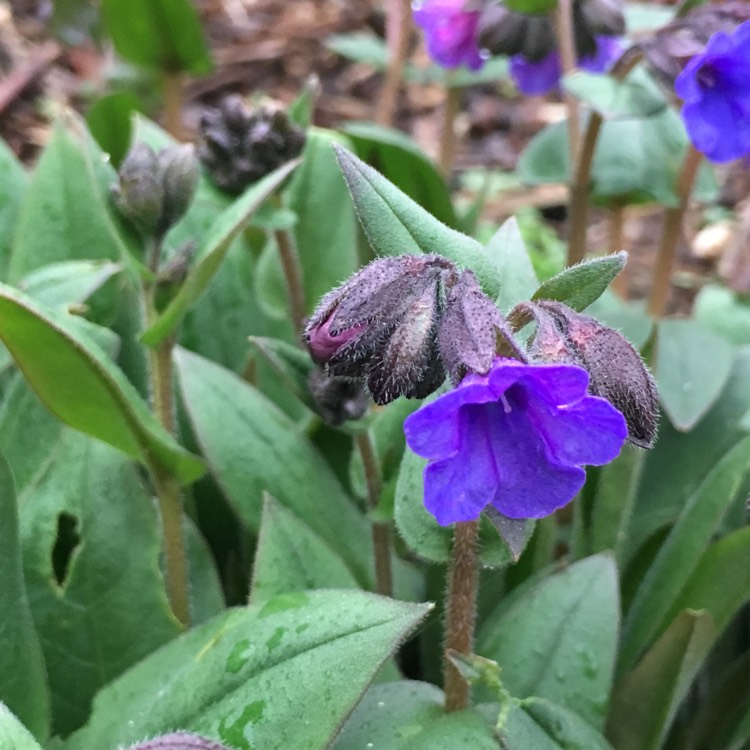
450 32
715 86
515 438
541 77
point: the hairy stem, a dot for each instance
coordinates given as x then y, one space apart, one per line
172 97
447 145
671 230
566 45
167 488
460 612
579 189
292 269
381 530
398 25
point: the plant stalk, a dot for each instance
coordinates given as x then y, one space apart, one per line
292 270
447 145
460 613
173 101
381 530
578 204
398 26
616 238
566 45
672 228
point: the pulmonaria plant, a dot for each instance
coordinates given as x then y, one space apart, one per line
715 86
450 30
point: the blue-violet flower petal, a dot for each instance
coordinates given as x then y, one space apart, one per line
450 32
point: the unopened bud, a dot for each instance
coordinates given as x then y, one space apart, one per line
337 399
140 194
179 171
502 31
179 741
615 368
172 276
467 334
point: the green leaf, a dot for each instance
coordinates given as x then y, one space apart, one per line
409 716
692 367
568 659
23 680
401 161
538 724
97 594
281 675
63 216
252 447
678 556
363 48
327 249
509 253
291 557
532 7
724 312
635 161
422 533
13 734
636 96
582 284
729 554
394 224
644 703
163 35
679 464
13 183
213 251
68 282
78 382
110 121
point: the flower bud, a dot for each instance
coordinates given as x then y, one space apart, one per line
140 194
380 326
240 145
467 335
179 172
337 399
179 741
616 370
506 32
172 276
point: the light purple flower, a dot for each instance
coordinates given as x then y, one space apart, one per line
450 32
715 86
515 438
535 78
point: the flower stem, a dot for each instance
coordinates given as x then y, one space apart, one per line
166 486
398 25
566 44
672 228
579 189
616 238
292 269
460 612
381 530
172 96
447 146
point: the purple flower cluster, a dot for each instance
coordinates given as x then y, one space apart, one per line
533 78
515 438
715 86
450 32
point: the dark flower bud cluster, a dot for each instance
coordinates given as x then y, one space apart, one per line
179 741
616 370
503 31
400 323
156 189
337 399
242 145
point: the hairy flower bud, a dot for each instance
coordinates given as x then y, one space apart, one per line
380 326
178 167
337 399
179 741
140 194
616 370
503 31
467 335
240 145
